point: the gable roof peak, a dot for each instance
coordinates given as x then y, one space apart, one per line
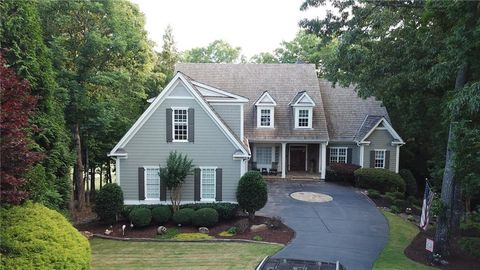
266 100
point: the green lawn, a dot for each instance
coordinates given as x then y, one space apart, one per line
401 234
111 254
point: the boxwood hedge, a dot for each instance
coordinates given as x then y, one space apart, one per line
35 237
382 180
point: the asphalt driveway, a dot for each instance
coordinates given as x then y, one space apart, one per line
348 229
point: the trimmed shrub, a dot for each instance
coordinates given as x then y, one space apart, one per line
374 194
342 172
232 230
140 216
395 209
380 179
161 214
397 195
252 193
183 216
401 204
35 237
109 202
205 217
411 188
471 245
389 198
226 211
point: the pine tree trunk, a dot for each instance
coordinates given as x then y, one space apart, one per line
109 172
79 184
449 222
101 175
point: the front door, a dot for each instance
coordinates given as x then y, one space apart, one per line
297 158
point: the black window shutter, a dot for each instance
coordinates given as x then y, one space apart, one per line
169 125
387 160
372 159
141 183
163 189
218 185
327 156
196 184
349 155
191 125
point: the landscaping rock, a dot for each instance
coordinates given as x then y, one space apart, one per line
108 232
411 218
258 228
203 230
161 230
408 210
87 234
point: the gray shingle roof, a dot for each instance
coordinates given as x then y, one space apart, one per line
282 81
346 112
367 125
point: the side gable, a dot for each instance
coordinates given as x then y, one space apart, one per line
365 131
175 92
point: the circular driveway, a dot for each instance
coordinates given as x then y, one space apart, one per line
349 229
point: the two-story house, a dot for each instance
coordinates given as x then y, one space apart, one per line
230 118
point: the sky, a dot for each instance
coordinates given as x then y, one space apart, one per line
254 25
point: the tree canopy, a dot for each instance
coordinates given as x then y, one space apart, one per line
218 51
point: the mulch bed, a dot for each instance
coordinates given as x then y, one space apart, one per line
282 235
458 260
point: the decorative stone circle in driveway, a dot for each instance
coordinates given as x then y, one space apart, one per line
311 197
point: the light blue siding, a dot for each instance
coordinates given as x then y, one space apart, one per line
380 139
355 150
149 148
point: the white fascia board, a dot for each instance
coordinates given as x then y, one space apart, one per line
304 95
389 128
156 103
263 96
222 92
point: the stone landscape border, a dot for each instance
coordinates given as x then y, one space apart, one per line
184 241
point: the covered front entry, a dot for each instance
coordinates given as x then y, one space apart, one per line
274 158
298 159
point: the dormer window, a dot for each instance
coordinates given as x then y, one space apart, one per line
303 105
265 111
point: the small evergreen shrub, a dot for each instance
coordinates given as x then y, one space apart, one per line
226 211
342 172
274 222
397 195
374 194
257 238
161 214
471 245
380 179
242 225
140 216
205 217
395 209
109 202
35 237
401 204
389 198
411 188
183 216
252 193
232 230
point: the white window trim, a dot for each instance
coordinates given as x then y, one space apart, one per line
338 154
145 181
214 184
259 116
173 123
375 157
310 117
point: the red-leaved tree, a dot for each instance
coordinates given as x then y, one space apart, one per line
17 104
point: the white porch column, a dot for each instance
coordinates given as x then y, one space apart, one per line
284 158
320 158
397 158
362 152
324 161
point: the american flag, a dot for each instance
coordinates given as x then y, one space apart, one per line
427 203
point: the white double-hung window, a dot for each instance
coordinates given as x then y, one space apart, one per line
264 155
152 182
180 124
379 161
208 183
338 154
266 117
304 119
